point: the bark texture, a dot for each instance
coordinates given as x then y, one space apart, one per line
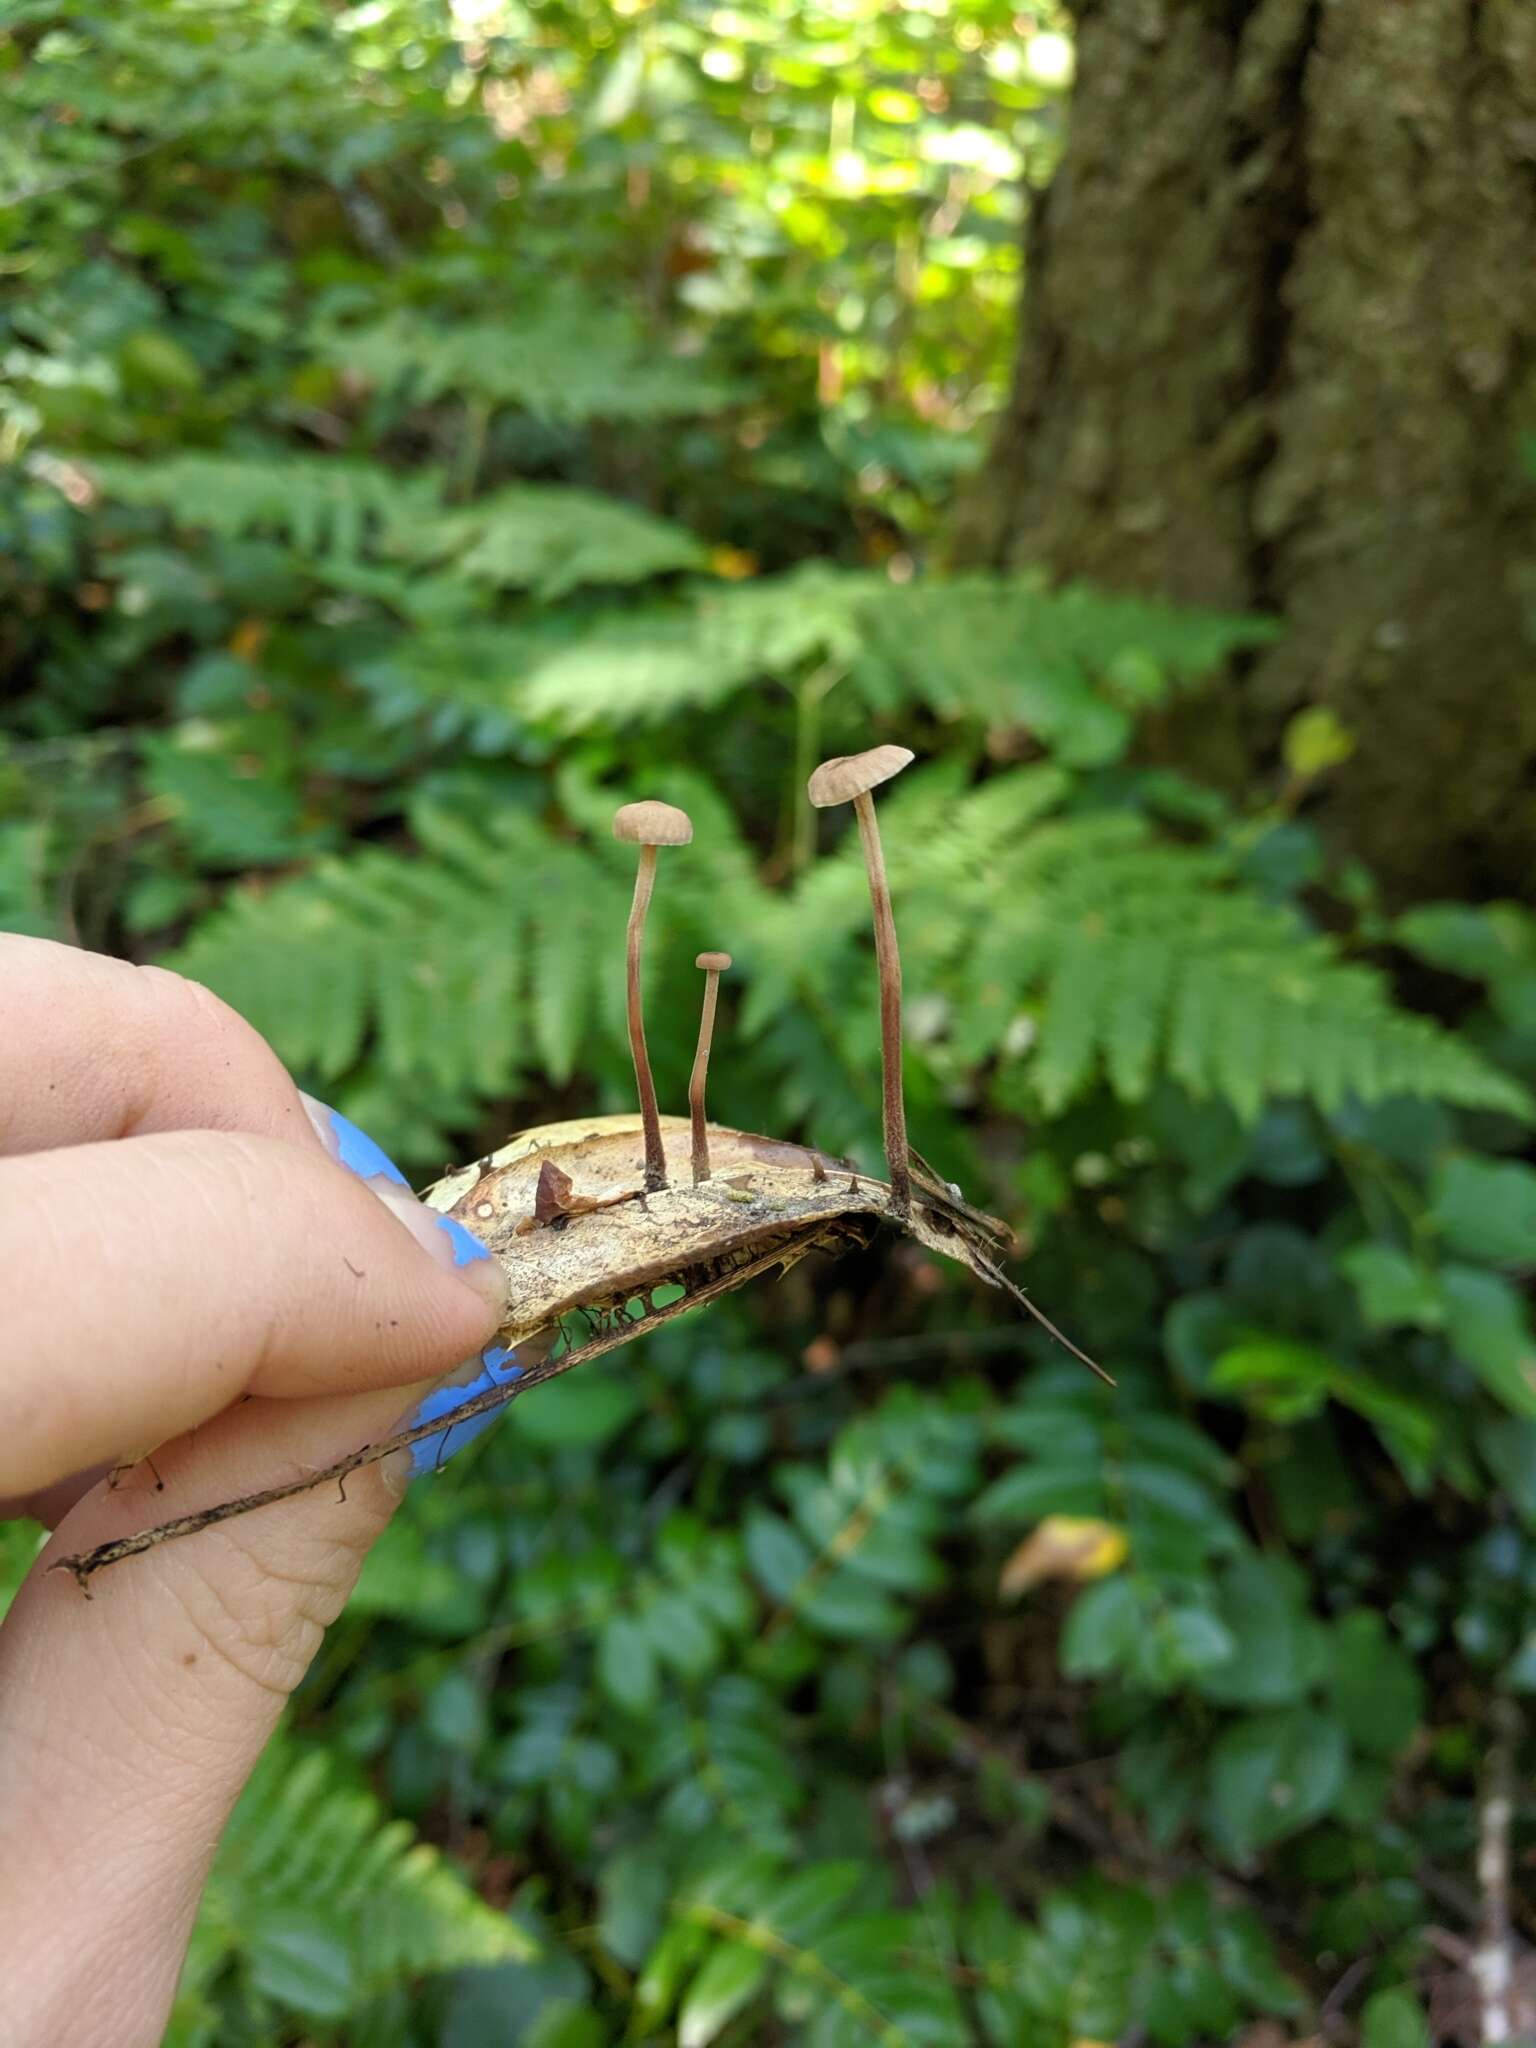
1279 351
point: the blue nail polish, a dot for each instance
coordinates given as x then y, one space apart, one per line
362 1155
492 1367
359 1153
496 1368
467 1248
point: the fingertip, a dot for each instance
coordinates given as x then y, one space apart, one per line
446 1241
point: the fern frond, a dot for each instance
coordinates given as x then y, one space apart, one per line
428 958
993 648
1073 666
564 357
1230 995
553 538
318 503
495 951
306 1857
847 1968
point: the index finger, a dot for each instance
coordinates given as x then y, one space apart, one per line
154 1282
92 1048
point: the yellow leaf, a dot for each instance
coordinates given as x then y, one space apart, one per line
734 564
1315 741
1074 1547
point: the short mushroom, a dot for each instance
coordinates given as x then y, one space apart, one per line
849 778
713 965
647 825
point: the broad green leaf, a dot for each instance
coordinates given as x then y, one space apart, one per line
580 1411
1277 1647
626 1664
1031 1492
1273 1775
680 1634
1103 1628
850 1609
1393 1288
779 1558
732 1975
1486 1208
1182 1644
633 1889
1376 1692
1490 1330
1393 2019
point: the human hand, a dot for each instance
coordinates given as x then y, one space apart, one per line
186 1268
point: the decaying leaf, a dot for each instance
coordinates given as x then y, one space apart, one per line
1072 1547
565 1208
587 1251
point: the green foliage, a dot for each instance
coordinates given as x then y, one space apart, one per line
426 428
316 1908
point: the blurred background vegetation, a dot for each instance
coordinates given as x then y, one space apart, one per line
425 426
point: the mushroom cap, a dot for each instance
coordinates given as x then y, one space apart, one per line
716 963
846 776
650 823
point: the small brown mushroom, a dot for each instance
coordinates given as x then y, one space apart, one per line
849 778
647 825
714 965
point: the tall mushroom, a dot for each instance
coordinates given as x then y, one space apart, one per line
647 825
849 778
714 965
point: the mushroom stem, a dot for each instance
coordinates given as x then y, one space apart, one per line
888 959
655 1156
696 1080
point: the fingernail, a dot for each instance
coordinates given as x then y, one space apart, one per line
442 1238
496 1366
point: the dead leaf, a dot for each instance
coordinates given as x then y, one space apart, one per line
1072 1547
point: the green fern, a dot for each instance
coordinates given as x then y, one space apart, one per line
494 954
1133 958
565 357
319 504
448 966
552 538
1071 668
839 1965
320 1905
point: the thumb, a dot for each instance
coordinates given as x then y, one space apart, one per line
130 1721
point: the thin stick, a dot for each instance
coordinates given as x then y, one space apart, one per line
1492 1962
86 1564
888 956
989 1271
655 1155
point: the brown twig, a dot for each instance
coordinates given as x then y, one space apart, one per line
1492 1962
84 1565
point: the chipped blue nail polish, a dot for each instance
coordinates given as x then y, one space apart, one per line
359 1153
466 1246
496 1364
496 1367
365 1157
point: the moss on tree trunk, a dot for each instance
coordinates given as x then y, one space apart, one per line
1279 350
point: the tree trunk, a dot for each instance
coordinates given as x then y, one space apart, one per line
1278 352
